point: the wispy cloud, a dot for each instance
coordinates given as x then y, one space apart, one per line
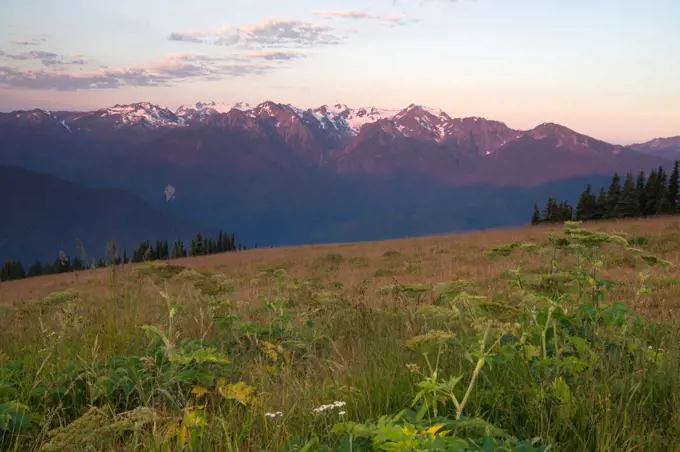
24 43
270 32
188 36
32 40
356 14
32 55
275 54
166 71
46 58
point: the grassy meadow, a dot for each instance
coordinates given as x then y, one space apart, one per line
560 338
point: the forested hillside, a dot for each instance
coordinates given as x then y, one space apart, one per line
637 196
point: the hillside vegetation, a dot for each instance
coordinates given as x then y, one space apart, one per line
552 337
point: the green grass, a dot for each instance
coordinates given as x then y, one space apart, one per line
171 358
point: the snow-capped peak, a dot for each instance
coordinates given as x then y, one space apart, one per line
355 118
269 108
144 113
340 108
336 109
212 107
419 110
351 119
364 115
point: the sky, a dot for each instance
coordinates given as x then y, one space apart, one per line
606 68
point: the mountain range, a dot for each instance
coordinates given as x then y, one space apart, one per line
276 174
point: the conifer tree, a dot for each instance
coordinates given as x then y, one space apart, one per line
77 264
564 212
48 269
663 204
600 205
36 269
156 252
19 271
674 188
586 206
550 210
198 245
651 193
536 217
642 194
629 204
12 270
613 198
5 271
178 250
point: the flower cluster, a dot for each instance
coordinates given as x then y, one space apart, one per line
274 415
331 406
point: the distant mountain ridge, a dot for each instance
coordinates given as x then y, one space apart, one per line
340 139
663 147
277 174
42 215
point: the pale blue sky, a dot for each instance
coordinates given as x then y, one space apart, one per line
607 68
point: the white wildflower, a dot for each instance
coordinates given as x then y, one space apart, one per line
274 415
342 413
330 406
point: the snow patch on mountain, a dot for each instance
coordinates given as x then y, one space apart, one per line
338 117
421 112
298 111
212 107
352 119
143 113
266 108
51 115
63 123
365 115
441 131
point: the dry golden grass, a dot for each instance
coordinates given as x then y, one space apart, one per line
371 265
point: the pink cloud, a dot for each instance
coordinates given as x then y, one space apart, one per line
276 54
269 32
356 14
46 58
164 72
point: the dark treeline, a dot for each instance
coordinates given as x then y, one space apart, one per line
640 196
146 251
